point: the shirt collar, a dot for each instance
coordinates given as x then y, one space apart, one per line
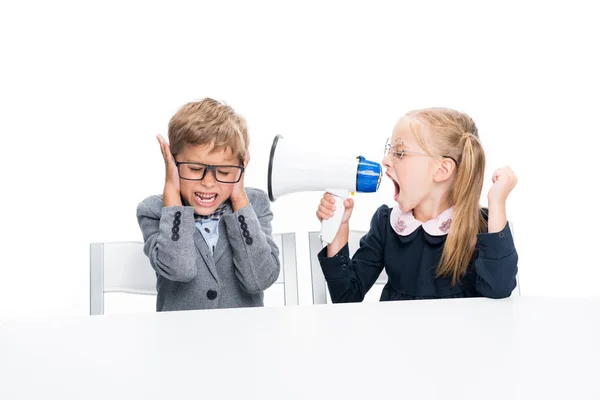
224 208
404 223
216 215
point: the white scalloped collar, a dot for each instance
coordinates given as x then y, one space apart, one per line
404 223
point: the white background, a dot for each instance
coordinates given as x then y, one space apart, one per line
84 88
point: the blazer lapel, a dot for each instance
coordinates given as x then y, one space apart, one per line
222 243
205 254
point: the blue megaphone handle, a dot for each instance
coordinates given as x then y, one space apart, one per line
368 176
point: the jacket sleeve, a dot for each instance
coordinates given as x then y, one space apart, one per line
255 254
496 264
168 239
349 280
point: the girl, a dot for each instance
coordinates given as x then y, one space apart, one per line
436 241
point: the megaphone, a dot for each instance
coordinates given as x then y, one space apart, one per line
293 170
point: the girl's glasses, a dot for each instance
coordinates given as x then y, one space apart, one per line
398 150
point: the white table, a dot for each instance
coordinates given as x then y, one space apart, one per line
518 348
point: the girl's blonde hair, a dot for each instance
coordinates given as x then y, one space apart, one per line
455 134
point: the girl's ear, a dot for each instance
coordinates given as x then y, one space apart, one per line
444 170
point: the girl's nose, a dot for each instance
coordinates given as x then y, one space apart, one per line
386 161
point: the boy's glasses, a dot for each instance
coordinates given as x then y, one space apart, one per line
191 171
398 150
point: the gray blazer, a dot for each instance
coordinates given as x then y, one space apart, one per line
245 261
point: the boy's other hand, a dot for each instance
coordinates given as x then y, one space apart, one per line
239 198
172 194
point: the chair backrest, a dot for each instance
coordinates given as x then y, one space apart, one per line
319 285
288 275
122 267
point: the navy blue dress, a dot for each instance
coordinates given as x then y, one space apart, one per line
411 261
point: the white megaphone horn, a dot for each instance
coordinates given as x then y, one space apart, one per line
292 170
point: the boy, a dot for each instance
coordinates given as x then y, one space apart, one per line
207 237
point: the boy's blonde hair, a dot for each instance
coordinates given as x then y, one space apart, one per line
209 121
455 134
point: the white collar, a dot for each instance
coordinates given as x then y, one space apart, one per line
404 223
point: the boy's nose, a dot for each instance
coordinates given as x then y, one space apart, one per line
209 179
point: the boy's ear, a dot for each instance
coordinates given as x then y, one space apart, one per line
444 170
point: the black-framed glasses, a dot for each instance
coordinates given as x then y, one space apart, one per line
192 171
398 151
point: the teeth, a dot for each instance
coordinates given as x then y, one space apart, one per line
205 197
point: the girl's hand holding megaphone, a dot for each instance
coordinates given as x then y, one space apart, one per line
326 208
325 211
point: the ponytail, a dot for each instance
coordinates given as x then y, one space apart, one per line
467 220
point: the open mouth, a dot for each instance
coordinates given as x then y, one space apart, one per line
205 199
396 187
